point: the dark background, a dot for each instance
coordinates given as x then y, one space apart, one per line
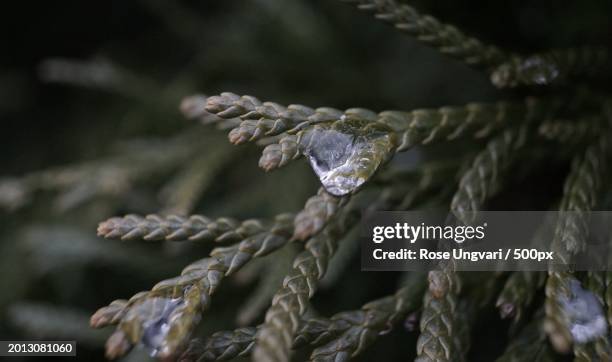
267 48
313 52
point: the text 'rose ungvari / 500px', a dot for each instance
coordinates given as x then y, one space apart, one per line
483 241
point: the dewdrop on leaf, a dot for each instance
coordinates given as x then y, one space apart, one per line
346 153
584 314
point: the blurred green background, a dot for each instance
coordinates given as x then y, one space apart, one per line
89 95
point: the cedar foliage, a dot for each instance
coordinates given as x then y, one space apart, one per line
447 117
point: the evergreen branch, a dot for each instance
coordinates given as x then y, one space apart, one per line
227 345
194 108
275 337
316 331
580 192
420 126
445 38
574 131
179 301
380 131
221 346
445 329
426 126
372 320
317 212
309 265
353 330
582 188
483 177
438 323
258 119
174 228
552 67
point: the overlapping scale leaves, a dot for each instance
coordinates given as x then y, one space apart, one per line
163 318
346 149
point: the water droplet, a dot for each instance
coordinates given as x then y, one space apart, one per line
346 153
584 313
542 71
155 314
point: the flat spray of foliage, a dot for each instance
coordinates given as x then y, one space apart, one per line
349 150
543 116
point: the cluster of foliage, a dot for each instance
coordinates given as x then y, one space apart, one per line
550 114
